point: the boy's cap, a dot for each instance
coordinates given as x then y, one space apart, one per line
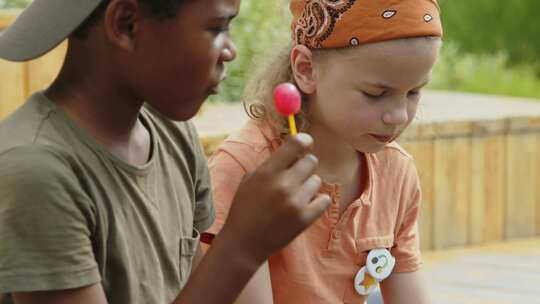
43 25
324 24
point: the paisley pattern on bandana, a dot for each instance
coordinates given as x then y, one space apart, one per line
389 14
320 24
318 20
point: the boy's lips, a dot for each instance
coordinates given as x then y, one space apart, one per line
214 90
215 87
382 138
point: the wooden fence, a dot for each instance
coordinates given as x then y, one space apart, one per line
479 180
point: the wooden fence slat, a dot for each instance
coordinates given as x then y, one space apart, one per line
452 178
521 180
422 151
488 182
42 71
7 17
537 186
11 87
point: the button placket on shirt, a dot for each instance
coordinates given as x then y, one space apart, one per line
333 215
338 224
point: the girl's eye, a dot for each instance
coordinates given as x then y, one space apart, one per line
413 93
373 96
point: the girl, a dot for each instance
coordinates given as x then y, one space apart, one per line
360 66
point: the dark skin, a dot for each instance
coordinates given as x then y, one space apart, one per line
175 64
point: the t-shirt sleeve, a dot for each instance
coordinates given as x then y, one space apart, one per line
205 213
46 224
407 247
226 174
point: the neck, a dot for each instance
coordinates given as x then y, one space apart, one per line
94 99
338 161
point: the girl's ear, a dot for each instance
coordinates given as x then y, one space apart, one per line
302 68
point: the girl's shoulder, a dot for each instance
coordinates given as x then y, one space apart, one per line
256 134
251 145
393 161
395 153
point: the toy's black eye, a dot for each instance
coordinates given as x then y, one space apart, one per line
374 260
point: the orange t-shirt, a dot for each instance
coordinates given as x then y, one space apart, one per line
319 266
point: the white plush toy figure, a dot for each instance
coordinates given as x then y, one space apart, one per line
379 266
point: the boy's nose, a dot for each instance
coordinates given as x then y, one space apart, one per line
229 52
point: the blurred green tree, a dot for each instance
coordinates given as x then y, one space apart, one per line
494 26
14 3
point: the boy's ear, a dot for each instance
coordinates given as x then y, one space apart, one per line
302 68
121 22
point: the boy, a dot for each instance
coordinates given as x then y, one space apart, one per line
103 195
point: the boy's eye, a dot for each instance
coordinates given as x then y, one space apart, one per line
220 29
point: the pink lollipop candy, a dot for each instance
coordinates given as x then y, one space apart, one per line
287 100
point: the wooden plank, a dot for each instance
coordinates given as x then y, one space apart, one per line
522 154
42 71
524 124
496 273
211 143
537 192
11 87
422 151
410 134
7 17
488 188
453 128
452 180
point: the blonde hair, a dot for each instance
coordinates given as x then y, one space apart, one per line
259 92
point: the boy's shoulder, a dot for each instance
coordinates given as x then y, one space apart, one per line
39 127
32 125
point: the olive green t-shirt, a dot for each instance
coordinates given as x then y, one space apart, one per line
72 214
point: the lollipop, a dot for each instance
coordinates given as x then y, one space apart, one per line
288 101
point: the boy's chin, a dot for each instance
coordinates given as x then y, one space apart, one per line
179 110
183 115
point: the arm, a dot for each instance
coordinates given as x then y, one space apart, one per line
405 288
227 169
259 288
197 258
86 295
285 190
46 222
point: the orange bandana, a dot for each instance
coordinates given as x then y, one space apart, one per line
342 23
